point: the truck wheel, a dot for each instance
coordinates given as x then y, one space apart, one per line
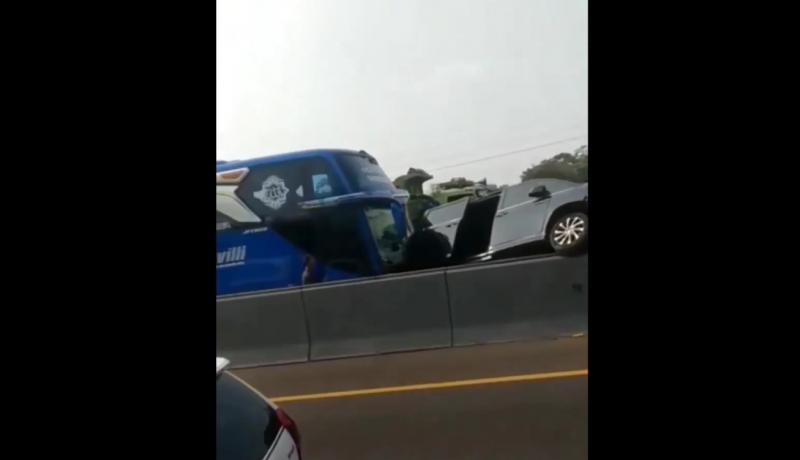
569 234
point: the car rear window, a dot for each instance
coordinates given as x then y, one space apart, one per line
246 424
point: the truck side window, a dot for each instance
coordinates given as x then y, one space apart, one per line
322 185
329 235
273 190
340 243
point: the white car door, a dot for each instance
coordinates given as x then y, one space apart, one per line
519 217
445 219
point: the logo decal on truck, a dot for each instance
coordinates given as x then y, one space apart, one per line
231 257
273 192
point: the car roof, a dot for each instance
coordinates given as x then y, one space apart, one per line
258 161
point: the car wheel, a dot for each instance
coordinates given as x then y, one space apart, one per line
569 234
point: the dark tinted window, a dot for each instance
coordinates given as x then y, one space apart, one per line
246 425
475 230
364 174
331 235
277 189
341 243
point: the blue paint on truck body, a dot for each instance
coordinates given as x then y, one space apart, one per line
306 217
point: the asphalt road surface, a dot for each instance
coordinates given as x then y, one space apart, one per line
541 416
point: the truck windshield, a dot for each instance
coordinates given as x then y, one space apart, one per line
385 232
364 173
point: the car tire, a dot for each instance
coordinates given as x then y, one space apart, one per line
569 234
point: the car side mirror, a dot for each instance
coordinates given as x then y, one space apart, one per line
540 191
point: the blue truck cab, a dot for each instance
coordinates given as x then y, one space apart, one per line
306 217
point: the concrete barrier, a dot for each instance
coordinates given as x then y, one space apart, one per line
495 302
518 300
396 313
265 328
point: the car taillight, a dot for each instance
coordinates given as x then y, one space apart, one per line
289 425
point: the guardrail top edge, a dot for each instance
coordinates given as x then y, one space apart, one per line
509 263
375 280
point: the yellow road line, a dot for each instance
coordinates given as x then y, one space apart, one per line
433 386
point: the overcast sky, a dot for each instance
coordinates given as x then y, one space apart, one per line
422 83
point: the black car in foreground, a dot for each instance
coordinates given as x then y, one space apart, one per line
250 426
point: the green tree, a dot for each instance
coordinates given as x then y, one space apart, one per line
567 166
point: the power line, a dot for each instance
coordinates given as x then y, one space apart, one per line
513 152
